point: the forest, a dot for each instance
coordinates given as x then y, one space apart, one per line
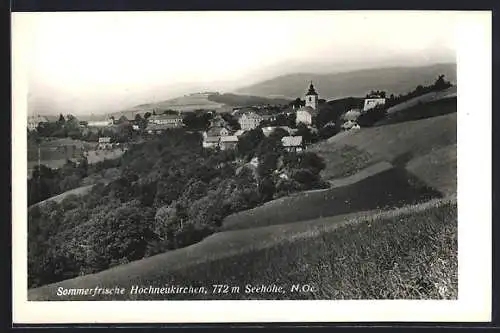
170 193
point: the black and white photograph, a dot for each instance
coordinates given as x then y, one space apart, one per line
237 156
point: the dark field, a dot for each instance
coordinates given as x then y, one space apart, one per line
388 189
422 111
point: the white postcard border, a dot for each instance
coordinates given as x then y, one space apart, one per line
474 207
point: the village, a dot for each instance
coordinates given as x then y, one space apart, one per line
224 129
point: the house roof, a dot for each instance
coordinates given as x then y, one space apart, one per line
155 127
212 139
165 116
252 115
291 141
229 138
215 130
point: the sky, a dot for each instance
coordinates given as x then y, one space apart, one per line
105 61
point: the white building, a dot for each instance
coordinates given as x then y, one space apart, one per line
104 143
305 115
166 119
211 142
216 131
249 121
349 125
228 142
100 123
370 103
292 143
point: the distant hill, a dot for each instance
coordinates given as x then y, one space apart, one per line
393 80
246 100
208 101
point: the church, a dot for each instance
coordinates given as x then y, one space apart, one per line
306 113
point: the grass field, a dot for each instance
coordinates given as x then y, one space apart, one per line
394 143
424 99
391 188
409 253
437 169
422 111
58 149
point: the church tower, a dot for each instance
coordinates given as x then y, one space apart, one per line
312 97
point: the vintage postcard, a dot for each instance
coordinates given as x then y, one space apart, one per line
241 166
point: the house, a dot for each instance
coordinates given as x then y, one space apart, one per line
211 142
270 117
372 102
101 123
171 120
217 131
249 121
292 143
348 125
35 120
228 142
352 115
104 143
305 115
158 128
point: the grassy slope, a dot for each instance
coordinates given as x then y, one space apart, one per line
422 111
425 148
426 98
438 168
404 253
390 188
350 152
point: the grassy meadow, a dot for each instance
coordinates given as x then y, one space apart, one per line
405 253
398 144
391 188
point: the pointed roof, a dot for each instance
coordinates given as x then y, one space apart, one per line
311 91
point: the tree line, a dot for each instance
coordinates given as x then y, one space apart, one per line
170 193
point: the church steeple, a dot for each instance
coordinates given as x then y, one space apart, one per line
312 97
311 91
